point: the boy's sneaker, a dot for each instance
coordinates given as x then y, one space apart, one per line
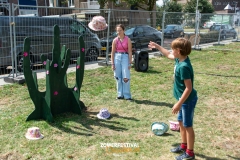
185 156
178 149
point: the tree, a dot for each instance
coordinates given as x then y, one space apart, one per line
147 5
172 18
204 6
174 7
102 4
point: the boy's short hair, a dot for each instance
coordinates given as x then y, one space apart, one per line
183 45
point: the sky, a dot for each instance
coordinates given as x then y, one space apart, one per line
159 2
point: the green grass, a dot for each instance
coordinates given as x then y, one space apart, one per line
216 122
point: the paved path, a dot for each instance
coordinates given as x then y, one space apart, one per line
41 73
72 68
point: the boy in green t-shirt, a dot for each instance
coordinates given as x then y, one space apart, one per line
184 92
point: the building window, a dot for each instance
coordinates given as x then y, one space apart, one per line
118 1
25 10
71 3
57 4
94 2
51 3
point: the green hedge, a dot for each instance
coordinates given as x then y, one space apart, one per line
206 37
209 37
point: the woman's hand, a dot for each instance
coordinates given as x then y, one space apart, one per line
129 66
113 67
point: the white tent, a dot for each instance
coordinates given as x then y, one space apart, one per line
228 7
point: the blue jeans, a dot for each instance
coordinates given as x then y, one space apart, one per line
186 112
121 71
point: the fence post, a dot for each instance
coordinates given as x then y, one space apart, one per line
238 19
198 16
163 19
107 49
11 38
14 41
238 26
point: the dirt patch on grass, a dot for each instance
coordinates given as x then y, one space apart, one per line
11 156
231 145
224 67
4 102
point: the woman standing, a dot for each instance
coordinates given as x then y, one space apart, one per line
121 58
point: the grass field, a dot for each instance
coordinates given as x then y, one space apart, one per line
79 137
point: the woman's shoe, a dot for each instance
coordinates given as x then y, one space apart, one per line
119 97
129 99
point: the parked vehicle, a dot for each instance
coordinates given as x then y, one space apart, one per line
140 36
40 32
173 30
226 30
208 24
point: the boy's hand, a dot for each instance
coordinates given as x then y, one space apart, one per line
152 45
176 108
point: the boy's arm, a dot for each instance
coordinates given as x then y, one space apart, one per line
162 50
186 93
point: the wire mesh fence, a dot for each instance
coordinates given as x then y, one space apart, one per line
36 22
5 40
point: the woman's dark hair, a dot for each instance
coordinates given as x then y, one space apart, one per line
120 25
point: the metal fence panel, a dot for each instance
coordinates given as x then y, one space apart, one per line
217 28
5 40
201 29
36 22
135 23
39 28
176 25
